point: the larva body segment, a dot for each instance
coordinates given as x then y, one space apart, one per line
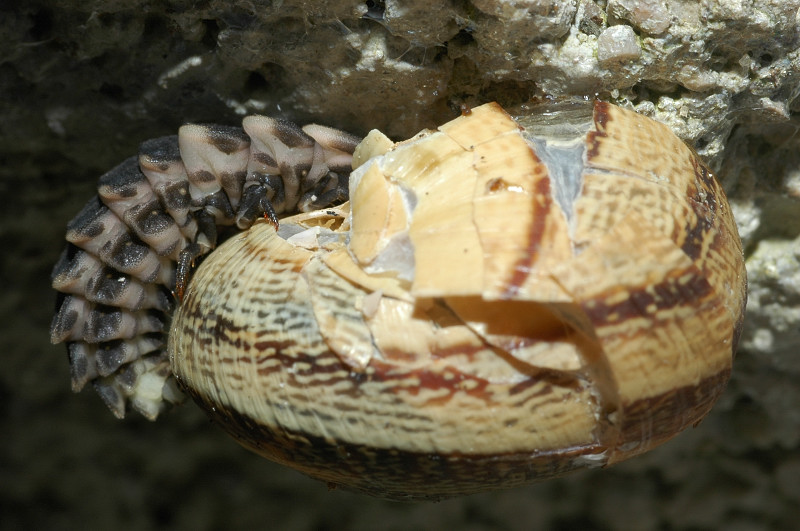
156 213
501 301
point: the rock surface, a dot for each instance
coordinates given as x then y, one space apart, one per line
82 83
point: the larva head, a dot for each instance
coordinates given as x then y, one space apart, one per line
501 301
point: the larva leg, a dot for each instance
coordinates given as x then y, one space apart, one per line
256 202
329 190
183 269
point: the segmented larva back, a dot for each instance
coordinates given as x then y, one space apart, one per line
132 246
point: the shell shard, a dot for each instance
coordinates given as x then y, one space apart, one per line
153 215
502 301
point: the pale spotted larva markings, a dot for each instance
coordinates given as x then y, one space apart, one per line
158 211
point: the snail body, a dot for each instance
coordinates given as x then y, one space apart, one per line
501 301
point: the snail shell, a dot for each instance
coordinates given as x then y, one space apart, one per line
501 301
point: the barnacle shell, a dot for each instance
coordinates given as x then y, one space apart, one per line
501 301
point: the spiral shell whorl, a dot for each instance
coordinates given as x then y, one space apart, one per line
159 211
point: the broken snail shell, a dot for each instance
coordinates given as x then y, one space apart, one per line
501 301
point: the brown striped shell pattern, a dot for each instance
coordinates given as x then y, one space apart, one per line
501 300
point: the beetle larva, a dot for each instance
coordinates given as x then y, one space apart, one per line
133 244
501 301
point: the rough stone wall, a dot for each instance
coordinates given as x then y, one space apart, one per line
83 82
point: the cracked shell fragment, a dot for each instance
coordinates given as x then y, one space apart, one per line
501 301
